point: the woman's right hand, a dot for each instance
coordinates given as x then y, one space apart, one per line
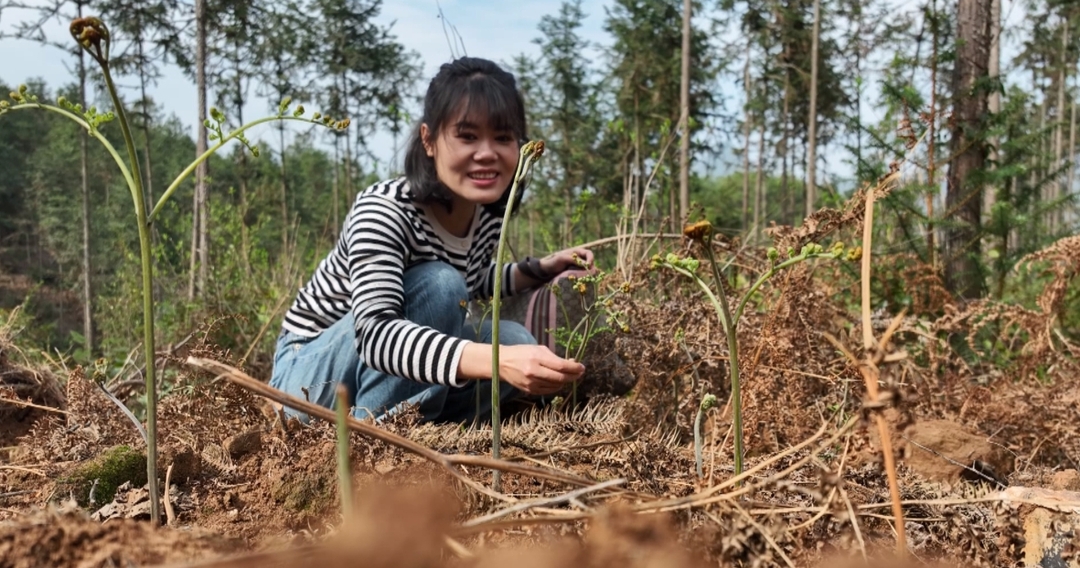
536 370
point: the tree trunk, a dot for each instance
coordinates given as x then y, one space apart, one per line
811 148
84 165
759 184
1056 216
747 127
245 237
337 182
199 244
994 104
1072 156
684 118
284 188
931 146
785 211
964 198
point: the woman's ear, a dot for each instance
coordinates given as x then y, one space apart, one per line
425 139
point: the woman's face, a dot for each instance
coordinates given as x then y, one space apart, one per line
475 161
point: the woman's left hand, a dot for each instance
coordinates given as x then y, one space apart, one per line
576 257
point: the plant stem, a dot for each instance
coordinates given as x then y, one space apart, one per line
731 329
344 471
205 155
135 185
768 274
89 130
707 402
529 152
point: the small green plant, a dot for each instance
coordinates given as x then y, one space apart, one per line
701 233
707 402
576 340
93 37
529 153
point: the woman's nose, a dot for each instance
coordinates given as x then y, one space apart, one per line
484 151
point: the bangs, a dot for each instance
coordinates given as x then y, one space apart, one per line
483 100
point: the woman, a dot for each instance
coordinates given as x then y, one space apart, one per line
384 312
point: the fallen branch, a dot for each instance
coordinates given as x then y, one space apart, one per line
447 461
17 402
557 500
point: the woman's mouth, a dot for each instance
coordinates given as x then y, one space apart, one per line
484 179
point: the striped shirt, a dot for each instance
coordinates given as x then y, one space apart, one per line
384 234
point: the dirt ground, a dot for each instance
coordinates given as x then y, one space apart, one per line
247 490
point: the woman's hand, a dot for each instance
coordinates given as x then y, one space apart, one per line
536 370
576 257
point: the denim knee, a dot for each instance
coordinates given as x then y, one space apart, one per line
513 333
434 294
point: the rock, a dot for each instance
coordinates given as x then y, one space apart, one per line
945 451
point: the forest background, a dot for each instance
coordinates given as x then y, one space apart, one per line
789 106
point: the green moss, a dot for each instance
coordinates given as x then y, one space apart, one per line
303 494
111 469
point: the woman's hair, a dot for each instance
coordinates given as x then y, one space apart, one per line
480 88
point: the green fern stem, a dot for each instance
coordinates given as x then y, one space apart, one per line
530 152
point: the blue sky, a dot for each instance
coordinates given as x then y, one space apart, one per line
486 28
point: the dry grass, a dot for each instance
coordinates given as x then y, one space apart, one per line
613 483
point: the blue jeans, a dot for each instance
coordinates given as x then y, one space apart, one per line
310 368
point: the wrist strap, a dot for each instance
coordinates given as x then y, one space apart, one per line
531 268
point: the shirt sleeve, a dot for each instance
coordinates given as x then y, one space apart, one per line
487 282
385 340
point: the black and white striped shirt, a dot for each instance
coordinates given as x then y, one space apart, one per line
384 234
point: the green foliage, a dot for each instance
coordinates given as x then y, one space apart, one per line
101 476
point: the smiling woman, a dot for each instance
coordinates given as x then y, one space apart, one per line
384 313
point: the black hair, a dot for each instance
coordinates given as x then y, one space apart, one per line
479 85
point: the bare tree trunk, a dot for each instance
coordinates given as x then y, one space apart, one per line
785 151
759 184
811 149
337 181
684 118
84 165
1072 157
1056 216
245 238
199 256
931 136
747 126
963 275
284 191
994 106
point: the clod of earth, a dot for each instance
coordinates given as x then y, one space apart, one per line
946 451
103 474
305 491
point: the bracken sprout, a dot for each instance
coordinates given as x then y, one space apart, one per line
93 36
708 401
701 233
530 152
